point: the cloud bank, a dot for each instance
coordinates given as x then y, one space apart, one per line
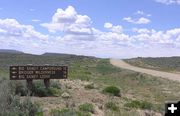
169 2
70 32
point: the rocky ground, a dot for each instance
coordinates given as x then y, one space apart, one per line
74 94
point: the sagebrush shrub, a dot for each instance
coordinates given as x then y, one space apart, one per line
11 105
87 107
113 90
112 106
139 104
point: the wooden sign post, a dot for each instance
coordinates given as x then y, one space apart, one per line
29 85
38 72
47 83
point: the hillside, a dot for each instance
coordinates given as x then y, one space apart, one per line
170 64
140 94
10 51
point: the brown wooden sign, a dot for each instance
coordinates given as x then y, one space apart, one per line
38 72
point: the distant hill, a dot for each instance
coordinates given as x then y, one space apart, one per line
159 63
13 57
65 55
56 54
10 51
6 51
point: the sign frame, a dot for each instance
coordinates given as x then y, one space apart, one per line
30 72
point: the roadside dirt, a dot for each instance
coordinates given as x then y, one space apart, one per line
121 64
77 95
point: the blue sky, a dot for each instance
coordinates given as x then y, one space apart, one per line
111 28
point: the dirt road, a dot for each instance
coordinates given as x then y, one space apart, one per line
122 64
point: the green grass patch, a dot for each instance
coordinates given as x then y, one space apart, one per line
40 90
112 106
86 107
160 63
67 112
139 104
112 90
103 67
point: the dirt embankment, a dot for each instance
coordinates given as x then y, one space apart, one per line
122 64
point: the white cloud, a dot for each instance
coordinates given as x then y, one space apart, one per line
14 28
173 32
117 29
141 20
18 36
140 12
14 35
169 2
68 15
108 25
69 21
144 30
144 42
2 31
111 27
158 37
